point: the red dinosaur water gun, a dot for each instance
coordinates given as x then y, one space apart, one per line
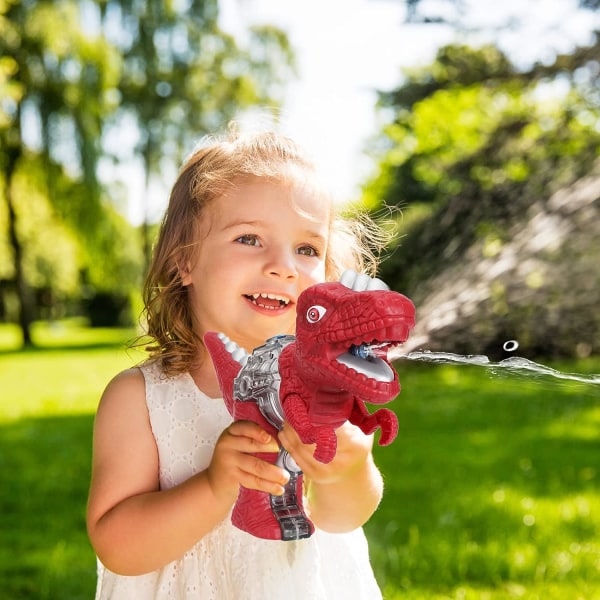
315 380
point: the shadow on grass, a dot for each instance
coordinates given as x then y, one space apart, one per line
488 483
67 335
44 478
36 349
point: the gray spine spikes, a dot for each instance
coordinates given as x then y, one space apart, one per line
238 354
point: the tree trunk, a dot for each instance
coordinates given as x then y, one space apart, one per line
145 228
23 292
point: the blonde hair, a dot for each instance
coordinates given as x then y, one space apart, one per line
208 173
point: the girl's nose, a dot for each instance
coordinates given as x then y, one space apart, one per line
281 264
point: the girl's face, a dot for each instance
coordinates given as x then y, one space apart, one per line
261 244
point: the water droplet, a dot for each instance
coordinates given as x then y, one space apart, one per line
510 345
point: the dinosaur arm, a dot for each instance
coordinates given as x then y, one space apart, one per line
323 436
382 418
296 414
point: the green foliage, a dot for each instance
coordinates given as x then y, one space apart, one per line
50 247
67 80
470 122
77 96
441 131
455 13
60 259
455 66
114 262
183 77
486 146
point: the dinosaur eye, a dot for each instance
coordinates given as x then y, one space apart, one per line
315 313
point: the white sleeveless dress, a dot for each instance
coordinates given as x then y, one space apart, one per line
229 564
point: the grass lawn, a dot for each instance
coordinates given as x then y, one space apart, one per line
47 400
492 486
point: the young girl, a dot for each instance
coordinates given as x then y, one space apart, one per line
248 228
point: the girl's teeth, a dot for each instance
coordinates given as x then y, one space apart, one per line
271 297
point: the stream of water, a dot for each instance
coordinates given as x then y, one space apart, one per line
512 365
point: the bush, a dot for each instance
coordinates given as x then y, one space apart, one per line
104 309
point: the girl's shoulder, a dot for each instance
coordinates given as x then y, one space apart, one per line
148 371
157 381
124 389
146 383
122 412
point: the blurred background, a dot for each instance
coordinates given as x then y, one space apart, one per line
471 128
479 120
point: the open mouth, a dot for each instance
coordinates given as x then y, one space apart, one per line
268 301
367 359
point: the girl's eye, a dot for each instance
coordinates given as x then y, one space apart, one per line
308 251
249 240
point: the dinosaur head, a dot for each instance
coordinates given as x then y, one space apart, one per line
342 338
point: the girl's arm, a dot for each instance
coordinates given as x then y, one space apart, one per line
135 527
344 493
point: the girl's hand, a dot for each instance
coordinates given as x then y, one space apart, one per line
353 451
234 464
343 494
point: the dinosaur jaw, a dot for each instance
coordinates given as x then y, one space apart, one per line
372 366
370 378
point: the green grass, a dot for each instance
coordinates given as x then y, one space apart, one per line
48 397
492 486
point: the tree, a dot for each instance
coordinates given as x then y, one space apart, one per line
56 79
454 12
166 67
475 153
183 77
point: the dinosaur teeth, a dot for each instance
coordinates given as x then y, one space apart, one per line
368 350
